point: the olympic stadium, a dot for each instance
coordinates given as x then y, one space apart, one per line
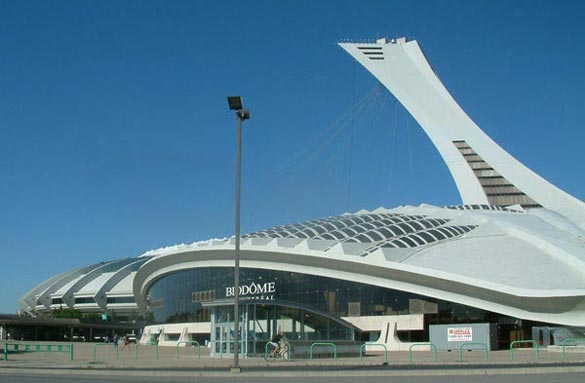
512 255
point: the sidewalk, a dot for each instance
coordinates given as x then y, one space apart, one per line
189 364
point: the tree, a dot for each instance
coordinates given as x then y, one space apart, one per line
66 313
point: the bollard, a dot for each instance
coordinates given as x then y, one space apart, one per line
190 342
570 340
332 345
466 344
363 347
534 343
432 346
102 345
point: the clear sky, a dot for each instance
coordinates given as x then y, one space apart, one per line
115 136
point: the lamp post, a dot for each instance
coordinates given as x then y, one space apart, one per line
235 103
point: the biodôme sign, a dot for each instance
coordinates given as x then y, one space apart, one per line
254 291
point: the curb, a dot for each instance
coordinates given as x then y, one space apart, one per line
329 371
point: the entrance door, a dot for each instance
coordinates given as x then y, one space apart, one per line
222 337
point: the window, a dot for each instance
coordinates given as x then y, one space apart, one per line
427 237
85 300
374 235
120 300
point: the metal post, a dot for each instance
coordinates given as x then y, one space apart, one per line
236 366
235 103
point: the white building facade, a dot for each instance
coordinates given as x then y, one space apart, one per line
513 254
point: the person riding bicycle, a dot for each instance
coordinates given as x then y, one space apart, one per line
276 341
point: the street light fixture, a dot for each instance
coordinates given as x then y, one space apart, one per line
235 103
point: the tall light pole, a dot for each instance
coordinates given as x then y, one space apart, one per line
235 103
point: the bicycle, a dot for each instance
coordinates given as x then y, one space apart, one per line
281 353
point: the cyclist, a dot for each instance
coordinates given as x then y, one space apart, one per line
126 342
276 341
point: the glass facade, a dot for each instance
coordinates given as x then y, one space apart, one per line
309 306
260 321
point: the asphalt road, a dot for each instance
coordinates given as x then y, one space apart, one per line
108 377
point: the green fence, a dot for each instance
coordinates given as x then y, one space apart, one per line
533 342
570 340
37 347
467 344
432 346
191 342
317 344
363 347
99 345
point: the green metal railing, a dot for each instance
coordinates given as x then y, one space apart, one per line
467 344
34 347
363 347
138 346
266 350
191 342
105 345
332 345
432 346
570 340
288 350
533 342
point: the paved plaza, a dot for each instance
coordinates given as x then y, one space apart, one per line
186 360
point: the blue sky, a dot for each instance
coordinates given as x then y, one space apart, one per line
115 137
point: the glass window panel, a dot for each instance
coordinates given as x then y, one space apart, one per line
386 233
448 229
319 229
396 230
374 235
347 222
426 236
338 224
419 241
377 223
433 222
457 229
349 231
362 238
406 227
408 241
416 225
310 232
338 234
400 243
367 217
426 223
437 234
